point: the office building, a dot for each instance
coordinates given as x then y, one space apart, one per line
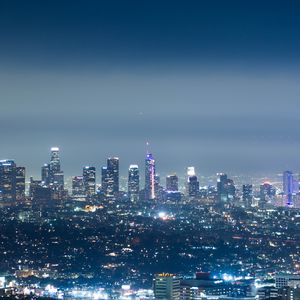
110 178
167 287
291 280
20 183
193 186
172 182
133 182
78 189
56 176
45 174
247 194
290 187
8 180
89 181
149 177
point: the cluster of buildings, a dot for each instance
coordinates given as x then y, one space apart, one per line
173 287
51 186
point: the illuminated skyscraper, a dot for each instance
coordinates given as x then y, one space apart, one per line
193 186
89 180
110 178
266 193
113 168
247 194
290 187
172 183
149 177
225 188
8 180
20 183
133 182
78 186
45 172
56 176
55 160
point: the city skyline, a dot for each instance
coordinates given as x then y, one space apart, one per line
150 150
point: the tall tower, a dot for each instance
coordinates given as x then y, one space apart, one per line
133 182
89 180
8 180
247 194
56 176
288 186
110 178
45 172
20 183
113 169
172 183
55 160
78 186
150 176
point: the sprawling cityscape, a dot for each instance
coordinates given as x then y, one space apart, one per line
168 238
149 150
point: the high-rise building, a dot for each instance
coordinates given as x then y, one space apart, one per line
58 181
33 185
247 194
20 183
172 182
89 181
133 182
8 180
56 176
113 169
266 191
78 186
193 186
110 178
54 160
45 174
225 188
104 181
149 177
290 187
167 287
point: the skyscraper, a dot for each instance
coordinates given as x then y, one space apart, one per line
56 176
247 194
193 186
192 183
45 174
225 188
20 183
172 182
113 169
290 187
55 160
266 192
149 177
110 178
89 180
133 182
78 186
8 180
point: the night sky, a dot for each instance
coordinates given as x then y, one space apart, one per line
214 84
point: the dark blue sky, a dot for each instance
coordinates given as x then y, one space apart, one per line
213 84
